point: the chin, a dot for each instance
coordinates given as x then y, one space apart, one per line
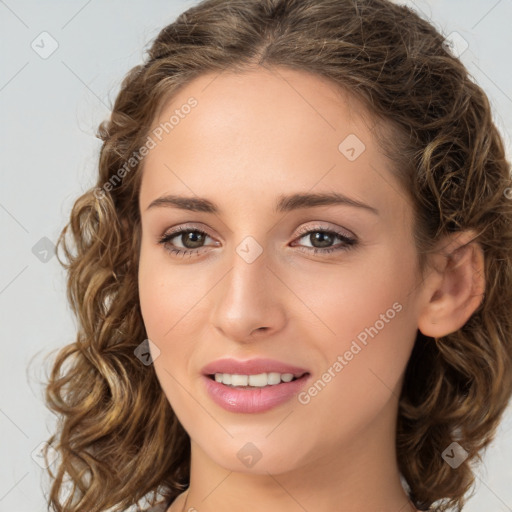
258 457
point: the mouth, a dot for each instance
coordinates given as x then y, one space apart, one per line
253 386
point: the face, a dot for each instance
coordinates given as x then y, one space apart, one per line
286 248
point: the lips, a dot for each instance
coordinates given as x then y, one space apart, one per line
251 367
246 399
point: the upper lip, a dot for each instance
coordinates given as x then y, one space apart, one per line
251 367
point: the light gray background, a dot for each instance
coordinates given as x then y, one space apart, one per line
50 109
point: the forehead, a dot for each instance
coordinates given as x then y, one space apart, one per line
266 99
265 130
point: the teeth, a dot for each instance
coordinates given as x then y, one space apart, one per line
258 381
239 380
274 378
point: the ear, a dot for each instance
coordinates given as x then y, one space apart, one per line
454 286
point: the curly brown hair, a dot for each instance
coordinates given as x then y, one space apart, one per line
114 419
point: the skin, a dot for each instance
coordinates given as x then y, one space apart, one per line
251 138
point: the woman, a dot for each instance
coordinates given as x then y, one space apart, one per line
293 278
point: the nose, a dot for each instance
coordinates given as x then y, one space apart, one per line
249 301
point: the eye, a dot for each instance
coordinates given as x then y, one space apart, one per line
191 241
321 240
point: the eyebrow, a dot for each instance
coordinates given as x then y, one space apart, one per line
284 203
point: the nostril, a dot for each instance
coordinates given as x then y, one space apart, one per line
258 330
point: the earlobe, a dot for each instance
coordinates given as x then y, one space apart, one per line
455 286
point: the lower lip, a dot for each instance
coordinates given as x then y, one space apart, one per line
254 399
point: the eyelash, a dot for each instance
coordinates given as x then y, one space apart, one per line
348 243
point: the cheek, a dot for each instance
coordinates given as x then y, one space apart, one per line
167 300
345 301
360 383
374 325
366 316
175 302
168 294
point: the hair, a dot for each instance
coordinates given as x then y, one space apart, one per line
118 439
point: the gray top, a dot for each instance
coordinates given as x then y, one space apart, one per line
160 507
